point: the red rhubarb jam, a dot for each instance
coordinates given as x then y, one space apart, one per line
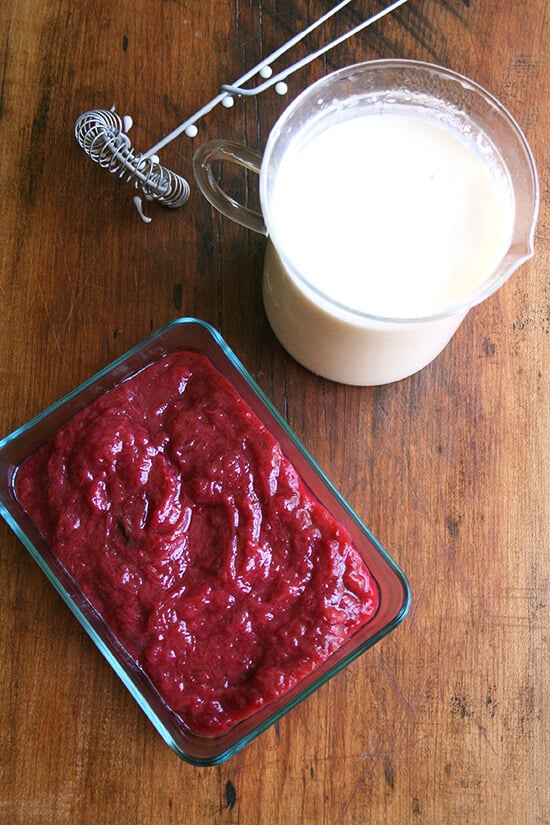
180 519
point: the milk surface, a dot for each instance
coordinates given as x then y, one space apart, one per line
392 215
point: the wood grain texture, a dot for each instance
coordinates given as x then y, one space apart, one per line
445 722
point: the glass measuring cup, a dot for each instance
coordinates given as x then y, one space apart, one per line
333 331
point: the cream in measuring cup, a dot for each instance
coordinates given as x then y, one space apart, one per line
395 195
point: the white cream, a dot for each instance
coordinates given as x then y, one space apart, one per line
381 216
389 214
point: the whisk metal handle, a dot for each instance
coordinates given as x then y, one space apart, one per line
264 70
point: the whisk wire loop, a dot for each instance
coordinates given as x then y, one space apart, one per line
100 134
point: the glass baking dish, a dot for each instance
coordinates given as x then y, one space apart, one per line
394 592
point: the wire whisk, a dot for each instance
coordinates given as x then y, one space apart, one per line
102 133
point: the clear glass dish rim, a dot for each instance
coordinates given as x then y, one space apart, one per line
89 619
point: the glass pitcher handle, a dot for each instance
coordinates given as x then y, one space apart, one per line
227 150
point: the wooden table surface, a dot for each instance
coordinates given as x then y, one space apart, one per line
446 720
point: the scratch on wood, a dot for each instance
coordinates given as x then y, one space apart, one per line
490 701
459 704
489 347
453 525
4 71
35 155
230 794
389 775
397 689
452 8
177 295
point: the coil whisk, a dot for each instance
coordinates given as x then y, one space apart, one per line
101 134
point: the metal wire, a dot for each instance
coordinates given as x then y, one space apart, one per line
100 134
264 70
